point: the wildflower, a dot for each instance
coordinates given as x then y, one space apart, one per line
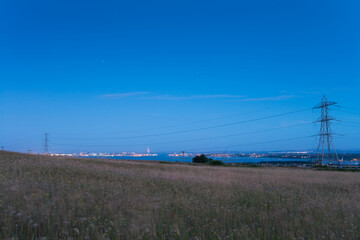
76 231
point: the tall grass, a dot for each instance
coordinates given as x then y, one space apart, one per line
64 198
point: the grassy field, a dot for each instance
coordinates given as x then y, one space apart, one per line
62 198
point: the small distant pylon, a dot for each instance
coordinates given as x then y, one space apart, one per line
326 142
46 143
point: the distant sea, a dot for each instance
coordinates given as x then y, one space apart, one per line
167 158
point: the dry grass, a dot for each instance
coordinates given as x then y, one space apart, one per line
59 198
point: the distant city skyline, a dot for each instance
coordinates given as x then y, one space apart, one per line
121 76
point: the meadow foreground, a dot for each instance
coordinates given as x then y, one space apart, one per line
66 198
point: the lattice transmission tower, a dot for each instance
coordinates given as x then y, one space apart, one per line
326 149
46 143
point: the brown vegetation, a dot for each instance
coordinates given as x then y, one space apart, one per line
65 198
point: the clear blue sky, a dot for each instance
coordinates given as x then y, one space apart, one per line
90 71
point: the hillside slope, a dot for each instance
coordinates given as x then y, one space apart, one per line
68 198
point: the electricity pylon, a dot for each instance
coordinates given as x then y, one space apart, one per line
325 134
46 143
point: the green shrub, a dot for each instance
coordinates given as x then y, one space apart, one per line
201 159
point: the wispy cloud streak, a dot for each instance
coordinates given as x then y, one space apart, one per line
169 97
123 95
268 99
139 95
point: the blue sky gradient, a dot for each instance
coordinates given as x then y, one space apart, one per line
88 72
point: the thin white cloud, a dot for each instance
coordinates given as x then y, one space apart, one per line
123 95
194 97
268 99
169 97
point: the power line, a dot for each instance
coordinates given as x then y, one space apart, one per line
353 123
193 130
193 122
349 138
193 140
349 112
352 108
349 125
248 144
